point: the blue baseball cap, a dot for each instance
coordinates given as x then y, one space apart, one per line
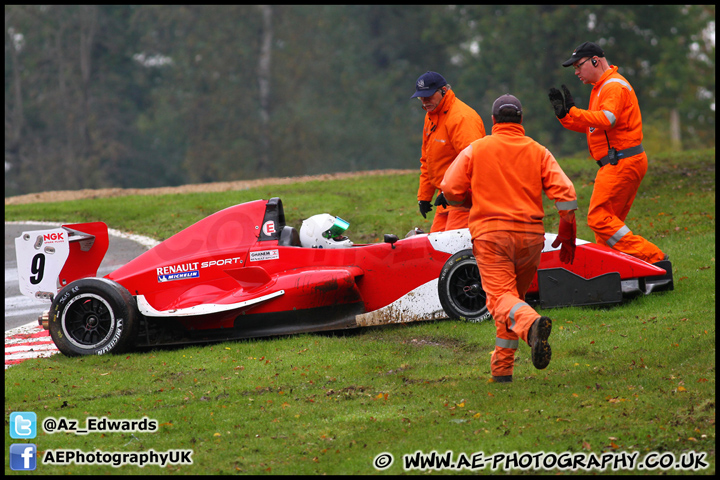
428 84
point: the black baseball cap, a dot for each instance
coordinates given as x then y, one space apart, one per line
587 49
505 101
428 84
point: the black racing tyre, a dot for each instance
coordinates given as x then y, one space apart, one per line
460 289
93 316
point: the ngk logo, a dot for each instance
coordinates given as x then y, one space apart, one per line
53 237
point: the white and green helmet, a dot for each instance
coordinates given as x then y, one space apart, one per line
324 231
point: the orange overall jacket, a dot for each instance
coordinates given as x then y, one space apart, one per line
448 129
613 110
510 173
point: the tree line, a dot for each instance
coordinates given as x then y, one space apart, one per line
143 96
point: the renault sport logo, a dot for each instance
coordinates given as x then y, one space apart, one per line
178 272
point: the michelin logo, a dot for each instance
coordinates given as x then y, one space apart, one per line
178 276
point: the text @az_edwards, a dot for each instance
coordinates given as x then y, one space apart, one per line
98 425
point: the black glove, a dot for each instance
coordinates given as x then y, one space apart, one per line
440 200
569 100
425 207
558 103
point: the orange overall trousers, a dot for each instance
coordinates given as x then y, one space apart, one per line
613 195
508 262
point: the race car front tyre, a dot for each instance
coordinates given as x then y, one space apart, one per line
93 316
460 289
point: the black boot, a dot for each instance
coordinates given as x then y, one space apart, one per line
538 341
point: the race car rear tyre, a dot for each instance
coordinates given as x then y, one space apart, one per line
460 289
93 316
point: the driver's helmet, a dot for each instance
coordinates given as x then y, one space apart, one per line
324 231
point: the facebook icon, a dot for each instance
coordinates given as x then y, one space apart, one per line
23 456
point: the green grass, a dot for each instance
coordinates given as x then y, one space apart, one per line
638 377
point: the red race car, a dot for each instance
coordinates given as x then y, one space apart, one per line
242 272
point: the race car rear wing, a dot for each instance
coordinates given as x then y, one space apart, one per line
47 260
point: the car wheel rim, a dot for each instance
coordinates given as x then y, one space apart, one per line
466 289
89 321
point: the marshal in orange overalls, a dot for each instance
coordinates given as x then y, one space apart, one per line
449 128
508 173
613 120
